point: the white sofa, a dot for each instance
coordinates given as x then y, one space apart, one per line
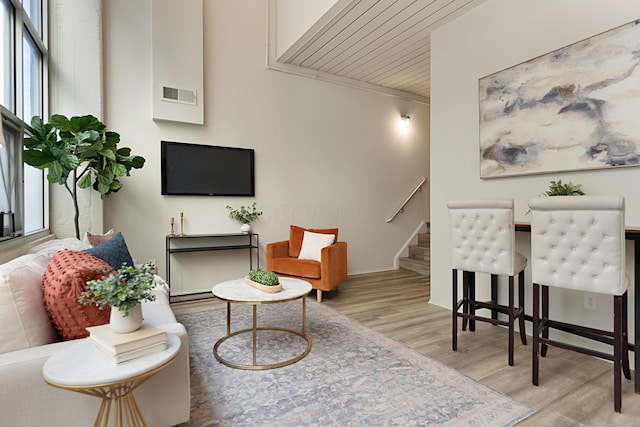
26 342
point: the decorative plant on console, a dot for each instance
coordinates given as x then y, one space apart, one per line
83 148
245 215
122 290
266 281
557 188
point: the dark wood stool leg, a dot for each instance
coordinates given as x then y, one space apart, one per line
494 294
523 329
545 318
536 334
511 320
625 337
617 353
465 298
454 311
472 298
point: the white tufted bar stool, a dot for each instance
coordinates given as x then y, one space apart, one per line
578 243
483 241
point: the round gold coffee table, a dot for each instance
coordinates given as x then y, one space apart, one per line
238 292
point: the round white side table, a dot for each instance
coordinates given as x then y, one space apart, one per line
84 369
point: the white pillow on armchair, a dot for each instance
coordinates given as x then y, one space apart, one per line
312 244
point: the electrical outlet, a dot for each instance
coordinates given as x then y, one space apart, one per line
590 301
154 265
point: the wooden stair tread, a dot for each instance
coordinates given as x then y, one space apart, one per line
419 258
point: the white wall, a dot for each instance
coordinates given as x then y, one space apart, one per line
492 37
75 59
295 17
326 155
173 26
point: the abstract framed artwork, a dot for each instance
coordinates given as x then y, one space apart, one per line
574 108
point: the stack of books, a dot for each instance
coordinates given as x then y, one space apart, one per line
122 347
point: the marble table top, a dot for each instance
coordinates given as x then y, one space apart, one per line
84 365
238 291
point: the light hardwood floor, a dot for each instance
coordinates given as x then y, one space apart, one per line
575 390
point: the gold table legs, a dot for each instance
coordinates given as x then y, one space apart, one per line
254 331
119 397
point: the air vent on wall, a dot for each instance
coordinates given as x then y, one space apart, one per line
177 60
182 96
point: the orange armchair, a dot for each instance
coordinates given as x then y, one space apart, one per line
324 275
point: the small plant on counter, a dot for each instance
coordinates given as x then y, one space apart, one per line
244 214
557 188
266 278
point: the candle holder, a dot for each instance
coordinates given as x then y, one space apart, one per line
181 224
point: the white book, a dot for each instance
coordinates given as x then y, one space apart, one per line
132 354
116 343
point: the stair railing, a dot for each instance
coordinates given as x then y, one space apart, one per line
413 193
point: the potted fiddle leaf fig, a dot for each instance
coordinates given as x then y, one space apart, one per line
79 152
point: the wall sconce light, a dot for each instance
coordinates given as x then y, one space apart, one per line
407 121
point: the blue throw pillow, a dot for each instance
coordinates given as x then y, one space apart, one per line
114 252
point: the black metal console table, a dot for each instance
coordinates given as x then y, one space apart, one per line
206 242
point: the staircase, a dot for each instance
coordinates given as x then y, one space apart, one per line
419 255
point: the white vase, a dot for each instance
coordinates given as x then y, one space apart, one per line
121 324
245 228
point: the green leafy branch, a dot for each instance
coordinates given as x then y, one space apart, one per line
82 148
244 214
123 289
557 188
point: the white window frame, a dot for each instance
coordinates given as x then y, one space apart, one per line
12 116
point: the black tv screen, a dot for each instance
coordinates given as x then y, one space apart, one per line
206 170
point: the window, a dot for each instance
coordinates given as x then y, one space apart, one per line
23 73
33 9
31 79
7 70
10 178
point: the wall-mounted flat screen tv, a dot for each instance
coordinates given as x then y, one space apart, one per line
206 170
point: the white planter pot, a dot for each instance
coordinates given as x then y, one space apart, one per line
245 228
121 324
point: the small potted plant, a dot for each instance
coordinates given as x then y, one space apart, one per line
245 215
266 281
122 290
557 188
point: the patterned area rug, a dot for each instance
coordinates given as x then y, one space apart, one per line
353 376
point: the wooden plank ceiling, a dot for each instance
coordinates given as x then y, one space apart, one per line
380 42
